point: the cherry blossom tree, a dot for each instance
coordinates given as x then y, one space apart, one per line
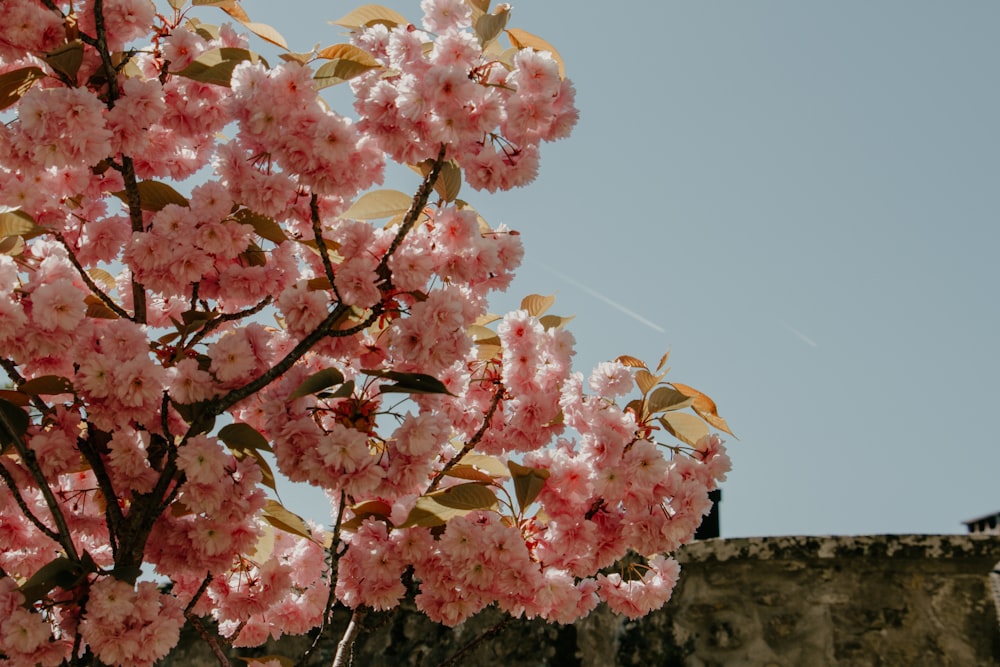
200 290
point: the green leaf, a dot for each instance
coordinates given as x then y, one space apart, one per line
154 196
554 321
449 180
15 83
379 204
437 508
18 223
267 474
216 66
243 436
489 26
266 32
67 58
685 427
489 464
345 62
263 226
98 309
343 391
13 418
365 510
665 399
61 572
317 382
47 384
528 483
281 518
409 383
11 245
369 14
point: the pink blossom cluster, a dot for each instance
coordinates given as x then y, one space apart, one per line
165 349
491 116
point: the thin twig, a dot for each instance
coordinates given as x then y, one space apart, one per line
28 458
331 597
324 254
197 595
12 485
473 441
211 640
94 289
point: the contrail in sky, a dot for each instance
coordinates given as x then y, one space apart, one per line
597 295
801 336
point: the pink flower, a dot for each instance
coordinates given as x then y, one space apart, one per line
57 305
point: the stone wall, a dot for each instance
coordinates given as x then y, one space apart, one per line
778 601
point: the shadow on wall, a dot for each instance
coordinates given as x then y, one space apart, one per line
910 600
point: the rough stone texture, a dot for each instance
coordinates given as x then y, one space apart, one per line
859 601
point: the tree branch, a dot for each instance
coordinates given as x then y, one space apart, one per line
346 644
62 534
94 289
324 254
12 485
473 441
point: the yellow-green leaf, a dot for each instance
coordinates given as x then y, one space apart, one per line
379 204
263 226
281 518
536 304
317 382
12 245
266 473
243 436
266 32
554 321
369 14
61 572
264 547
490 464
98 309
522 39
685 427
216 66
154 196
15 83
489 26
348 52
17 223
102 278
449 180
664 399
438 508
67 58
528 483
354 62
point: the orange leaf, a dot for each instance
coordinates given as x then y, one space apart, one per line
704 406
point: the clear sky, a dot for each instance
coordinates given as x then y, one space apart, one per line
799 199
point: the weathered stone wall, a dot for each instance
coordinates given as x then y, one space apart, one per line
778 601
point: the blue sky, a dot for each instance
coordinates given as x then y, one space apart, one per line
799 200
